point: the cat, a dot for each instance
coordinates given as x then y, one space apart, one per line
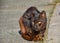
33 24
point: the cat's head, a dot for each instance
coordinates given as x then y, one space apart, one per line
40 23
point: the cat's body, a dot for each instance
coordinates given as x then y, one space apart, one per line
33 24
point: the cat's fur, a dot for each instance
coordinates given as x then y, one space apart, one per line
33 24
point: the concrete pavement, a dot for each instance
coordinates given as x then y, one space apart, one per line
11 11
54 28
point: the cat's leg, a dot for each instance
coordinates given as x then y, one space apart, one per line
26 37
24 31
37 38
22 26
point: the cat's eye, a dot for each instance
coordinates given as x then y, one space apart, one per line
39 23
33 23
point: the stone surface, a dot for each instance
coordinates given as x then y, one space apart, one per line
54 28
11 11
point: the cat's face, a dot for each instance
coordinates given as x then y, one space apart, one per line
40 23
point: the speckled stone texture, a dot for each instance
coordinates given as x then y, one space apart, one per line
11 11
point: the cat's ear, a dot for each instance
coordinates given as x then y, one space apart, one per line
43 14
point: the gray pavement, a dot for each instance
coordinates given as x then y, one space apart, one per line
54 28
11 11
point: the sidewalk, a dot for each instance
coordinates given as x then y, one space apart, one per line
12 10
54 28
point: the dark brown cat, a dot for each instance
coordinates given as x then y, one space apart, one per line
33 24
